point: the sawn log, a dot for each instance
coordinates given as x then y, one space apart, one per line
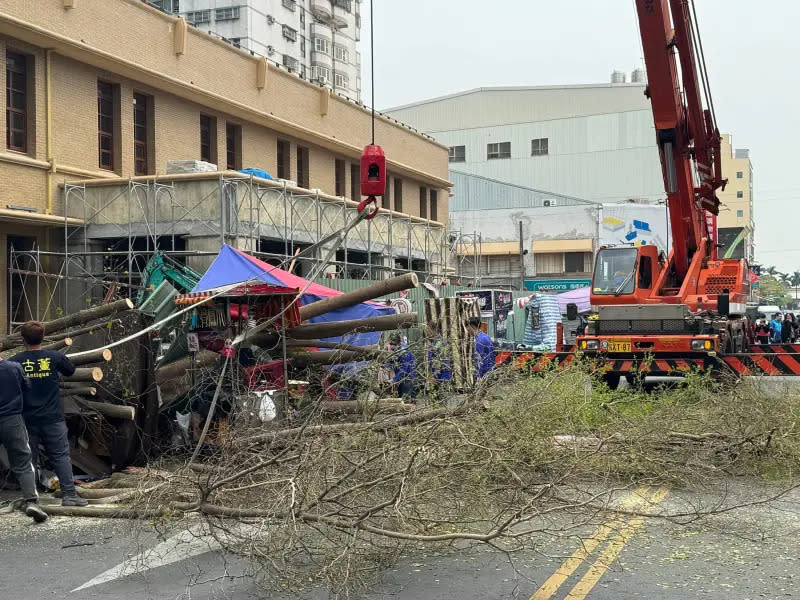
370 292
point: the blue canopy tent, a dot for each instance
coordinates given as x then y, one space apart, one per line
234 266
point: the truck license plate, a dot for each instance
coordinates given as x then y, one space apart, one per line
620 346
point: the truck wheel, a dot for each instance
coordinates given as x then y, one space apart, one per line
611 380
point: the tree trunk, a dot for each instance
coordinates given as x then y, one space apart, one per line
331 358
334 345
102 355
81 331
59 345
114 411
179 368
86 374
370 292
77 390
394 406
78 318
339 328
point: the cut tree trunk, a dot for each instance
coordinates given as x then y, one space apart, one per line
334 345
78 318
338 328
81 331
334 357
78 390
58 345
179 368
113 411
370 292
96 356
86 374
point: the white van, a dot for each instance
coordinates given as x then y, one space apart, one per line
769 310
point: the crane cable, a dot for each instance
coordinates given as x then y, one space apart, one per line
372 64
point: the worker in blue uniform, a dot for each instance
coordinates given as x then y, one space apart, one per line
484 350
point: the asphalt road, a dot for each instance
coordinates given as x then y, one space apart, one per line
747 553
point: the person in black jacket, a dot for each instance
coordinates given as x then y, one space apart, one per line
43 414
788 329
14 436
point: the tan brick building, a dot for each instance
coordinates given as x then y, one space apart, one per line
104 92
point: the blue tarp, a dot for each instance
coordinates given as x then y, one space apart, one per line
234 266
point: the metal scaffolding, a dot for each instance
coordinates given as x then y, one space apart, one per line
188 217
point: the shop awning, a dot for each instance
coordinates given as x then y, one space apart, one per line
550 246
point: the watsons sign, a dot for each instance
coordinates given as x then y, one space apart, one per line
555 285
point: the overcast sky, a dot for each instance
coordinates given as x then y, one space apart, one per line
426 48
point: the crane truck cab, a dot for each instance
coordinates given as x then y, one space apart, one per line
638 317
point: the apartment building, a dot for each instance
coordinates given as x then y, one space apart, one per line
317 39
101 95
736 222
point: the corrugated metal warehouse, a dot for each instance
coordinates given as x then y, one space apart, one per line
594 142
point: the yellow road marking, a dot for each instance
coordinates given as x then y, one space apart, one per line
568 567
610 554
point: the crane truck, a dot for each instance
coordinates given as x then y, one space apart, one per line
657 314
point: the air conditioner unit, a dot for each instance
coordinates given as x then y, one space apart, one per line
549 202
270 20
321 79
270 50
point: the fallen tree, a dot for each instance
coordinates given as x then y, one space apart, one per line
518 459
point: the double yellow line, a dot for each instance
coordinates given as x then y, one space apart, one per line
625 530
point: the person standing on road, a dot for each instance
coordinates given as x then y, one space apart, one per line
14 436
42 411
762 330
787 329
484 350
775 328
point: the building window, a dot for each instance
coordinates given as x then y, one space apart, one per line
739 213
196 17
345 4
142 137
320 73
574 262
355 182
341 54
550 263
208 139
740 194
106 124
290 4
322 45
434 216
498 150
233 147
16 102
339 171
398 194
423 202
341 80
739 174
303 18
457 154
284 170
303 47
539 147
289 33
228 13
302 167
290 62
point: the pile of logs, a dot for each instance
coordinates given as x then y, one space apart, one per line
79 392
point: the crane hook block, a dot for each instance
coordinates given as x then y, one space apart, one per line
373 171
